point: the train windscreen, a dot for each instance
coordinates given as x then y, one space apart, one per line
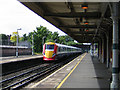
49 46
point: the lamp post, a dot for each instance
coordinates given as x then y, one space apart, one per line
32 44
17 43
43 41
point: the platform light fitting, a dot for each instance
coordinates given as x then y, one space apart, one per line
86 23
84 6
86 30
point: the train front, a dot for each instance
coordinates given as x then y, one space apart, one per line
49 51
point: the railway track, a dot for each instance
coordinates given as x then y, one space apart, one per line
25 77
22 79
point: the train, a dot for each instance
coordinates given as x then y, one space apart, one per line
54 51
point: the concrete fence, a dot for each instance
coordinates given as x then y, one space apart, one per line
11 51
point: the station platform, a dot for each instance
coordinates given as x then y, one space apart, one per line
90 73
19 58
83 72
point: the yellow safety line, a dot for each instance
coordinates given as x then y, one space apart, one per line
70 72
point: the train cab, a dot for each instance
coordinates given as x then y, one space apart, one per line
49 51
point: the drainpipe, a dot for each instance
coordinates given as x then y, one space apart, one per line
115 71
103 50
108 52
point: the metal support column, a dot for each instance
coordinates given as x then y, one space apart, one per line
32 44
17 45
92 49
115 71
100 50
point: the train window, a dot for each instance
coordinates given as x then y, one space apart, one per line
62 49
67 49
49 46
59 49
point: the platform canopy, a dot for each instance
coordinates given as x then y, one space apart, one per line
85 25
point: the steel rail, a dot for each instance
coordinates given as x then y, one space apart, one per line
34 76
34 69
5 80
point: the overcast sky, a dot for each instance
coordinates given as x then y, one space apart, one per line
14 15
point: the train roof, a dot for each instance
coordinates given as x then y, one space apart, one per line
50 43
61 45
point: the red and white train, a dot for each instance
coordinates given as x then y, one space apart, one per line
54 51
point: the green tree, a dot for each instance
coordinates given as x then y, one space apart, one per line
24 38
67 40
13 38
48 37
38 37
55 37
3 39
61 39
43 34
30 37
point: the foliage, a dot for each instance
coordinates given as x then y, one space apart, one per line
42 35
39 35
3 36
3 39
67 40
13 38
55 37
24 38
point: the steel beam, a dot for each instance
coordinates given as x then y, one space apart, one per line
79 26
103 10
75 14
88 39
81 32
